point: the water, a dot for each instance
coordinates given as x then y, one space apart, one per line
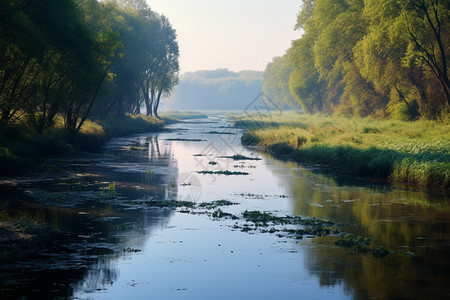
123 249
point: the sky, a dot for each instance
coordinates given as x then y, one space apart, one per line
234 34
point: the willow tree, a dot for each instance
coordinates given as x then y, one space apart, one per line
305 83
53 61
427 23
378 58
161 65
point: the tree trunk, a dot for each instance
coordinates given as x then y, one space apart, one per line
156 106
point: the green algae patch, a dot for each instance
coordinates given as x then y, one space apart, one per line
361 244
309 226
214 204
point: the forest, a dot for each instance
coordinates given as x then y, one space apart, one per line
64 61
219 89
377 58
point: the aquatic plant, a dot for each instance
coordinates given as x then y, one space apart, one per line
225 172
361 244
240 157
169 203
214 204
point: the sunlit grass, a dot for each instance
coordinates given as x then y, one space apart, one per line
416 153
131 124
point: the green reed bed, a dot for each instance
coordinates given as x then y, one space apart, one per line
413 153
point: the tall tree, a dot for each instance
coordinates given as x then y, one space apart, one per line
276 81
161 65
428 25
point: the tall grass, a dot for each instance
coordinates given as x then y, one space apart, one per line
413 153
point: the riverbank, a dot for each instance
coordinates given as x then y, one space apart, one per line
414 154
22 150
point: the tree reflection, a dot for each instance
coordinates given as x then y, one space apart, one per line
101 228
415 225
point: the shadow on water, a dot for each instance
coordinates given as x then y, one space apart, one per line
99 216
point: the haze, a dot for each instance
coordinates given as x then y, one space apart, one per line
238 35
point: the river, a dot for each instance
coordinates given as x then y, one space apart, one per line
123 248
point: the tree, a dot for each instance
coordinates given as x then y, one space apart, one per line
161 65
304 83
276 81
367 57
427 24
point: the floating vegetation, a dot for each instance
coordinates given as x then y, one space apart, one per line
259 196
243 166
169 203
219 214
130 250
240 157
185 140
214 204
149 172
311 226
360 244
112 186
219 132
225 172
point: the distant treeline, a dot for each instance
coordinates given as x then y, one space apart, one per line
379 58
219 89
62 61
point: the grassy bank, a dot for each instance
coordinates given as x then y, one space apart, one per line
405 153
22 149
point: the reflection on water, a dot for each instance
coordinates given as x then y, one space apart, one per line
414 225
122 249
103 227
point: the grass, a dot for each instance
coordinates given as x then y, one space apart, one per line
406 153
130 124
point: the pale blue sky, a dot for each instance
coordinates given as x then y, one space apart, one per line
233 34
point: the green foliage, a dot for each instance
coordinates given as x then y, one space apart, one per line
63 62
276 81
375 58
